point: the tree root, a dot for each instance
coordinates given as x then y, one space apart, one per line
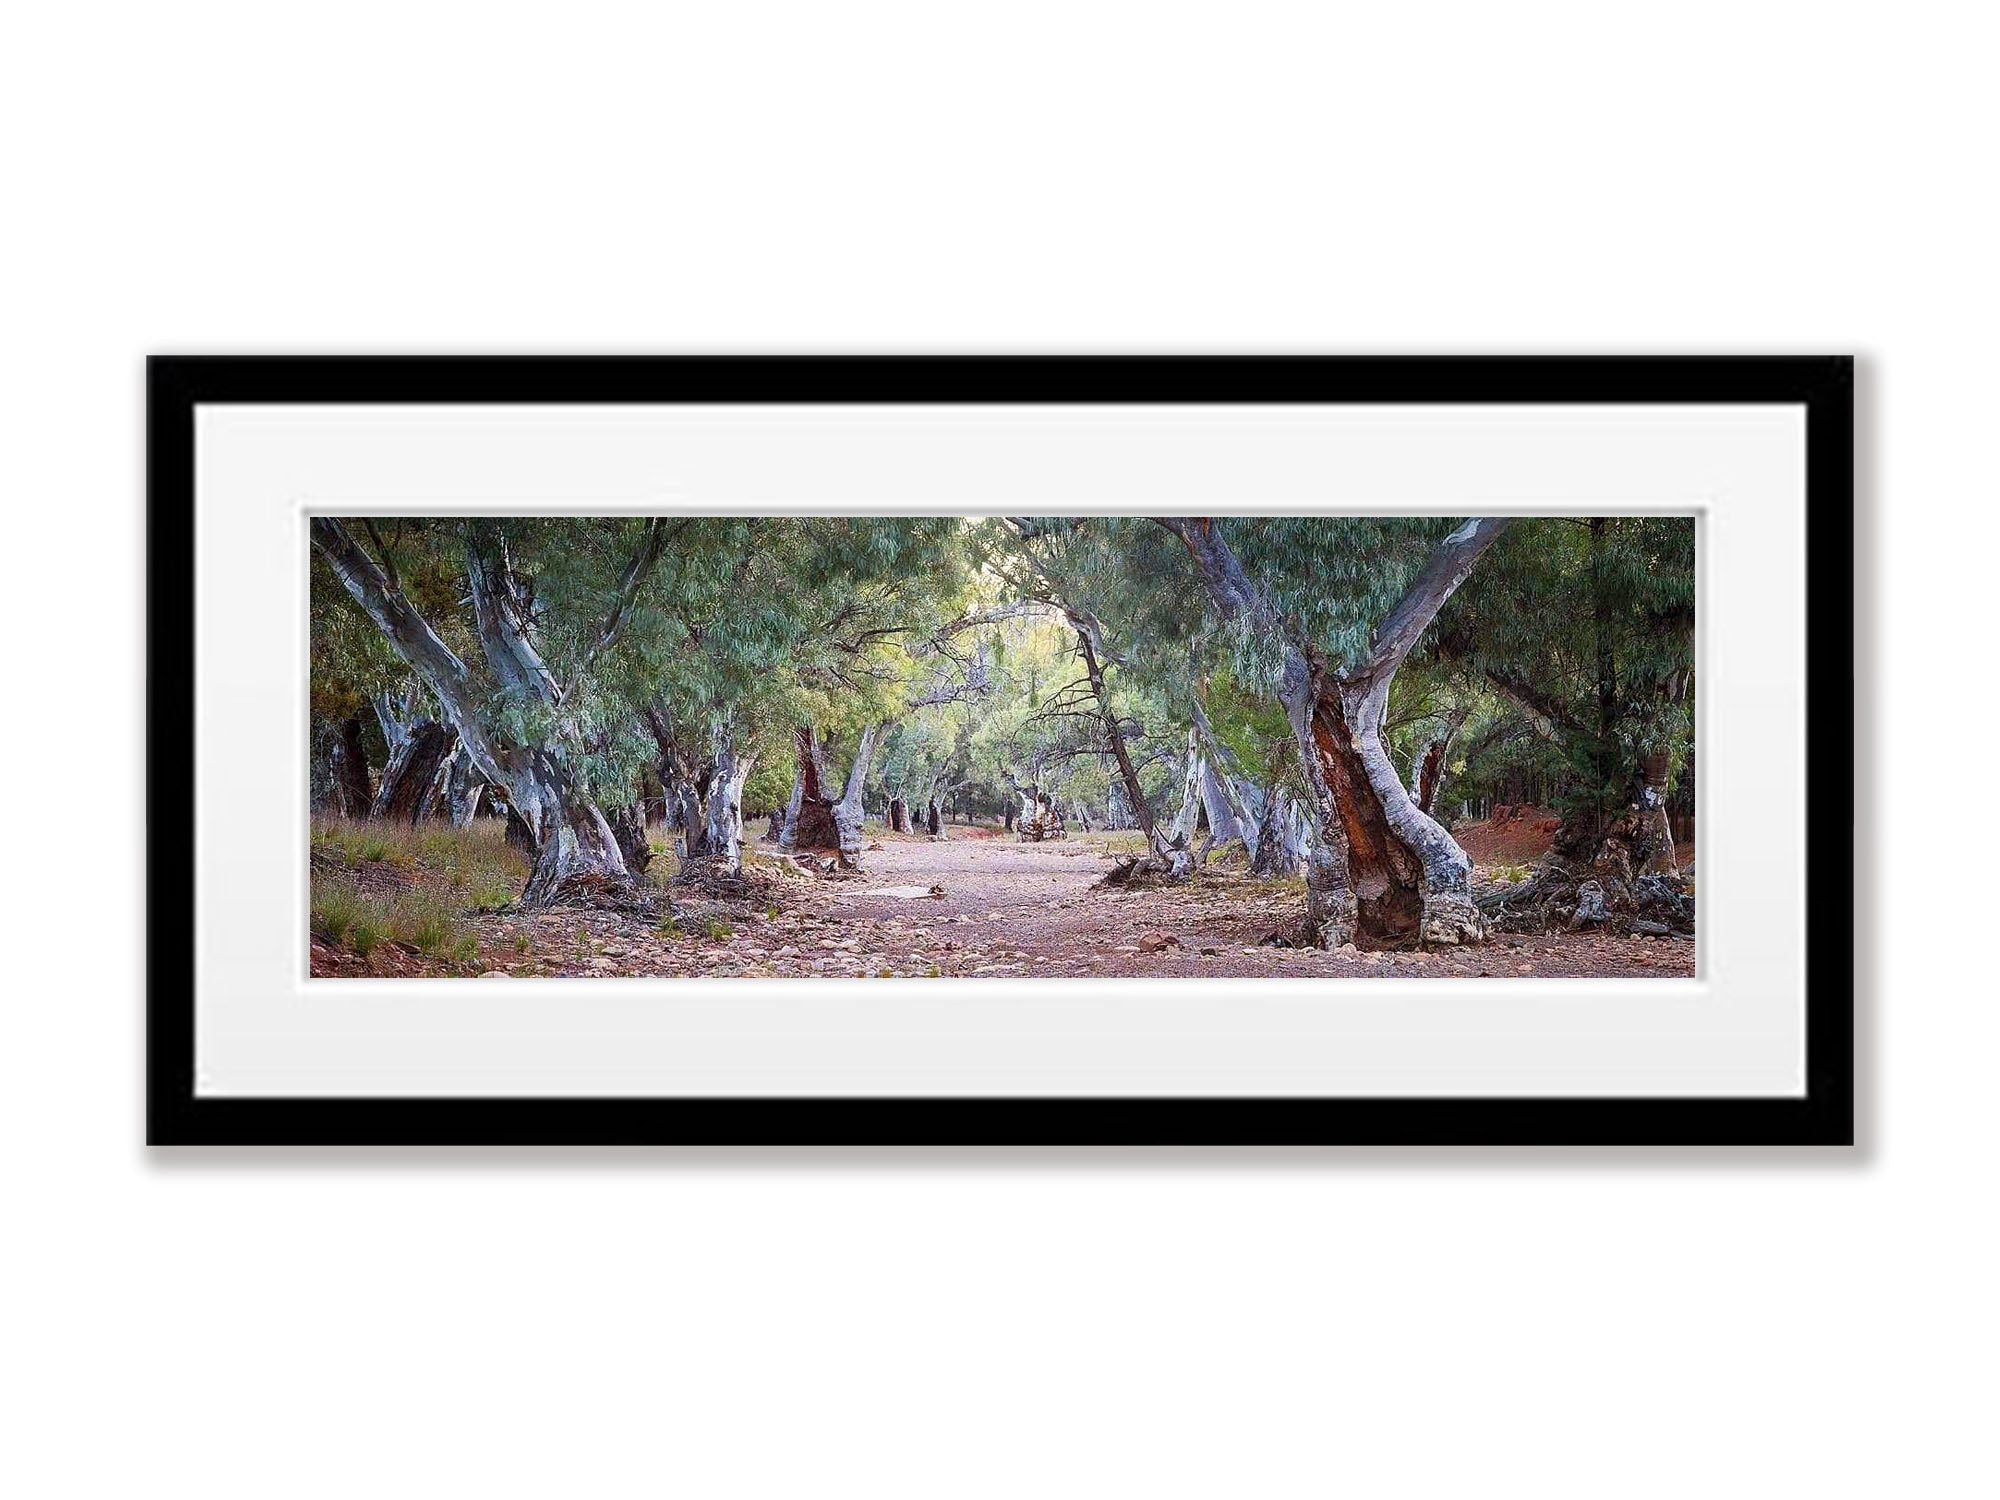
710 875
1569 896
590 891
1143 870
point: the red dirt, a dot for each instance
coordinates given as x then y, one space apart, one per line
1519 836
1008 909
1523 836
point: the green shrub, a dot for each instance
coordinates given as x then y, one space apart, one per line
719 930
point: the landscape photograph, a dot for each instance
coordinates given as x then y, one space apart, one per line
947 746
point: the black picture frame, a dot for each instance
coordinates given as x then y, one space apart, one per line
1824 1115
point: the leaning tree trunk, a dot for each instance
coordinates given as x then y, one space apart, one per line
1382 874
573 838
570 833
1229 816
847 812
1409 881
1227 799
1160 857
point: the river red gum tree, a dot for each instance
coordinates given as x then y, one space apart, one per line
568 831
1382 874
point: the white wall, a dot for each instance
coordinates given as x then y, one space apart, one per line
1528 177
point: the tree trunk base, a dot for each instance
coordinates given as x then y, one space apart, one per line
1332 915
628 827
1451 919
815 830
578 862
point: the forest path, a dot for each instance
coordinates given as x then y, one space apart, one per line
1007 909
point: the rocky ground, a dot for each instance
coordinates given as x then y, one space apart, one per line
1003 908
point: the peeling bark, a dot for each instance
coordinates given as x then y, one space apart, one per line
1128 775
1382 873
723 823
465 788
628 828
809 820
410 778
569 832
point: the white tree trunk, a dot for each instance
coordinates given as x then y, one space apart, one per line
1382 872
724 830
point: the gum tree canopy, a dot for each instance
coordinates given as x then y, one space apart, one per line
1341 602
1318 691
545 644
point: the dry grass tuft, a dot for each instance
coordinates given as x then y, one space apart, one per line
451 873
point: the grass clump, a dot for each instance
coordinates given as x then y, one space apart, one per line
668 926
719 930
336 906
424 918
427 926
476 858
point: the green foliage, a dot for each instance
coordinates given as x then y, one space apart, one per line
1586 628
962 638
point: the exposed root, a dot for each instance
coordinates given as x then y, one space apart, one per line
711 876
589 891
1604 896
1143 870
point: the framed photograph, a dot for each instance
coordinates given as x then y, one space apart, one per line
1027 751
